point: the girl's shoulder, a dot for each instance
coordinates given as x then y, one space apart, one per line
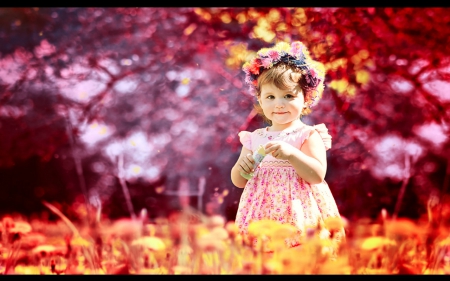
322 130
255 132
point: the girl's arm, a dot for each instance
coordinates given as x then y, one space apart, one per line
310 161
243 164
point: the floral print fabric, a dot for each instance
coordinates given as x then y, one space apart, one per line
276 192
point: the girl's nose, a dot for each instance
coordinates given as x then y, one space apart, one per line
279 105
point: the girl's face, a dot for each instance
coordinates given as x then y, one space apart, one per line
282 107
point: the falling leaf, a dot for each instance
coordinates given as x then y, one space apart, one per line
188 30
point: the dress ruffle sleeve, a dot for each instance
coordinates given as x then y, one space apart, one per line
246 139
323 132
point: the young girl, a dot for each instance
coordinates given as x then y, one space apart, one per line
288 186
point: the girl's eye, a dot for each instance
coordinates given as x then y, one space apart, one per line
289 96
269 97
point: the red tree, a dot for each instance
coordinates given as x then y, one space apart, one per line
153 97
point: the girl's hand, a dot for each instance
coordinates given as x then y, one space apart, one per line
246 163
279 149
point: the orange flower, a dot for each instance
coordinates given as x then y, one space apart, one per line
403 227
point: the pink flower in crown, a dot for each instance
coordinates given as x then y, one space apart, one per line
248 80
296 49
274 55
266 63
313 72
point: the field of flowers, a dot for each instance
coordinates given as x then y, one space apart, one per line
189 242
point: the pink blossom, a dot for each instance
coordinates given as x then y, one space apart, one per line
246 68
274 55
266 62
296 49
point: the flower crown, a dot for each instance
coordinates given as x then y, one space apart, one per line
296 55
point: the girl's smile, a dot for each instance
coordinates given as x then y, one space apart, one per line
282 107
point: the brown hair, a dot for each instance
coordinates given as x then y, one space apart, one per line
284 77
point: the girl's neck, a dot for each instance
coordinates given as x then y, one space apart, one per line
282 127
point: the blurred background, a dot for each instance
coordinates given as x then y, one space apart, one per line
139 108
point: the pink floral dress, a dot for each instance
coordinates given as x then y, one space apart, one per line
277 192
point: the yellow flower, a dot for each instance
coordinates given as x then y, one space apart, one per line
263 227
27 270
375 242
151 243
283 231
273 267
80 241
263 52
333 223
282 46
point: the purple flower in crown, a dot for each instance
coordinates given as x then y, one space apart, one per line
313 81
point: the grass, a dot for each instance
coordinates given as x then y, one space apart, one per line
189 242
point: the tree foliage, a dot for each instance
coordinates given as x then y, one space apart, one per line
163 88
